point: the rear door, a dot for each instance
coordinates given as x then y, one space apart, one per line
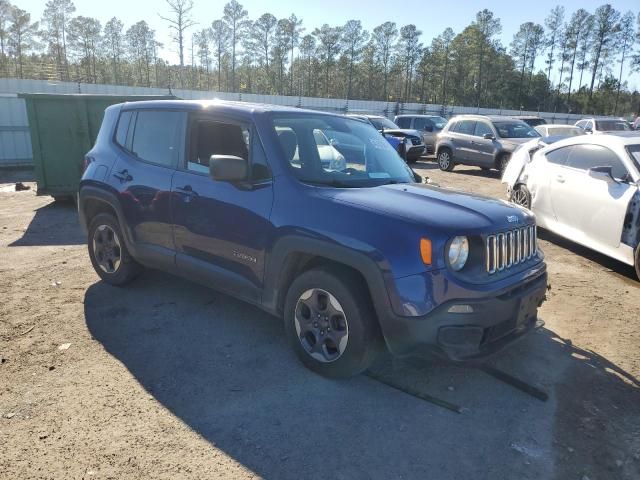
151 144
593 208
461 140
222 229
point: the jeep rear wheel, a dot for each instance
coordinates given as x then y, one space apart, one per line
445 160
330 323
108 253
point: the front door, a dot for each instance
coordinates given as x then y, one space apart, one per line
593 208
483 149
221 229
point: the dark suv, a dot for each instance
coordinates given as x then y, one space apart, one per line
479 140
428 125
407 142
352 254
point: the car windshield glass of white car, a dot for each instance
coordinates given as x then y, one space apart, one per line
515 130
611 126
634 150
338 152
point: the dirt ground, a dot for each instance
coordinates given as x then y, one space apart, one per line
167 379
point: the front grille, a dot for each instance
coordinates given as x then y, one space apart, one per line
507 249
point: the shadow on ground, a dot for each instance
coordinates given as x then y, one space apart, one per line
621 269
223 368
53 224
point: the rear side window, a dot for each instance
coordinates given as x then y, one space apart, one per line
404 122
123 127
584 157
158 136
466 127
559 156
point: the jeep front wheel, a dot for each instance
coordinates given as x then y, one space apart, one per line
330 323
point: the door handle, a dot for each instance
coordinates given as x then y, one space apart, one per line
188 192
560 179
123 176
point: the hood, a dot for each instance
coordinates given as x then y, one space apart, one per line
513 143
439 208
402 131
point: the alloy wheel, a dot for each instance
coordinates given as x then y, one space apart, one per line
519 197
321 325
444 160
106 249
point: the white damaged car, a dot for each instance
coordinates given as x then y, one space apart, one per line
584 188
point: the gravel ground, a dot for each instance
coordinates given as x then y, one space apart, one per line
167 379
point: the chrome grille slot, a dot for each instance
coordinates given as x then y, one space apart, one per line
506 249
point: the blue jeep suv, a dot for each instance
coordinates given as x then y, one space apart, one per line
354 255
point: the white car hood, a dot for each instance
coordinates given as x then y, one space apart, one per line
519 159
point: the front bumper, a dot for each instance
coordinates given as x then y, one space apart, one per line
466 329
416 152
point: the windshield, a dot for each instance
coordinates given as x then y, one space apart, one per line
356 155
515 130
439 122
634 151
382 122
611 125
568 131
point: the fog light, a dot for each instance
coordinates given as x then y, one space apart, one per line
460 309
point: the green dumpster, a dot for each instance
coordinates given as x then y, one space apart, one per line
63 128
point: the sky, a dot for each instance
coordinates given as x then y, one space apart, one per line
426 15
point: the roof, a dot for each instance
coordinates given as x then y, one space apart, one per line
492 118
417 115
617 139
364 115
228 106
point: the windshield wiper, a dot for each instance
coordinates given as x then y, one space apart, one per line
331 183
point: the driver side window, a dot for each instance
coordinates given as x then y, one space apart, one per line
584 157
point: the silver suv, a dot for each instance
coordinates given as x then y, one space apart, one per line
429 127
484 141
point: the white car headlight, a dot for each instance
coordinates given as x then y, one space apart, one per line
458 252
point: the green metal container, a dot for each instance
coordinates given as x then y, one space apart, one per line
63 128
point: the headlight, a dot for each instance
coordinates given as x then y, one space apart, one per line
458 252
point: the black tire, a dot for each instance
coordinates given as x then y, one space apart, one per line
638 261
445 160
502 161
64 199
121 272
521 195
363 341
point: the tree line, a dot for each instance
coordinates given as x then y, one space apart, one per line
585 54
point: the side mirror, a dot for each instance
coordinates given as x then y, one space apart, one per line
588 130
489 136
602 173
428 128
228 168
